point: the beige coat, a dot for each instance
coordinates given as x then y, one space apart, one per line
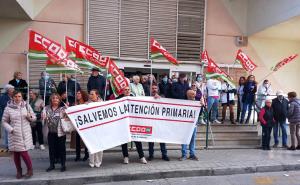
17 124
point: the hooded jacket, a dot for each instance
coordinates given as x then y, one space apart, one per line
294 111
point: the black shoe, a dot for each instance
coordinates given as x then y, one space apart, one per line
77 159
85 158
150 158
284 146
291 148
165 158
62 169
275 146
298 147
268 148
50 168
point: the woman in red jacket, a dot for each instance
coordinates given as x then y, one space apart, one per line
266 118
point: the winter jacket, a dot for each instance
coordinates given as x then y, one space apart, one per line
71 87
280 109
213 87
53 120
179 90
146 87
50 86
249 92
165 89
137 89
227 93
15 119
294 111
3 103
21 86
97 82
266 117
37 107
198 95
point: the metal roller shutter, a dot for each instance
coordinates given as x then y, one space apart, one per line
163 23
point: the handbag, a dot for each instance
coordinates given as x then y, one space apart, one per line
66 125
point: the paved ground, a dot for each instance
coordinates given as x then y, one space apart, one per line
212 162
271 178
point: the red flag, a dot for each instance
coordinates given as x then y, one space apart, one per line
204 57
56 53
158 51
246 62
120 82
84 51
284 62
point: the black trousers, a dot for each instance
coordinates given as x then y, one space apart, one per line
266 137
139 148
78 147
57 146
37 132
238 113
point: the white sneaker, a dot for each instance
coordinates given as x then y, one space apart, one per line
98 165
91 165
216 121
126 160
143 160
42 147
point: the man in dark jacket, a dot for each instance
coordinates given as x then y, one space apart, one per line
97 81
280 109
165 87
180 88
19 84
294 119
71 81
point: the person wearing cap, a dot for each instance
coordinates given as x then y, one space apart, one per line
4 98
97 81
266 118
294 119
179 88
280 107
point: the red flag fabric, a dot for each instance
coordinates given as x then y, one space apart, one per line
158 51
86 52
119 82
284 62
204 57
246 62
55 52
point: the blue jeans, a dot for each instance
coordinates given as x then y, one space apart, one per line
246 106
282 125
163 149
212 105
5 137
192 146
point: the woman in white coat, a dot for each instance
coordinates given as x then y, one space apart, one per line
16 120
227 100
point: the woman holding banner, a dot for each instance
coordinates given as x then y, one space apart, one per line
96 158
139 146
52 115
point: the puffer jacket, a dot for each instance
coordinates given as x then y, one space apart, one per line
15 119
294 111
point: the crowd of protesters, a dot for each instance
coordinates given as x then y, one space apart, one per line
23 123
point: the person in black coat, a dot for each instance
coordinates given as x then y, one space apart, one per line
280 107
19 84
97 81
180 88
165 87
266 118
71 81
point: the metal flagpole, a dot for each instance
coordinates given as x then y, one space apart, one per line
45 87
66 88
104 98
151 77
27 69
75 87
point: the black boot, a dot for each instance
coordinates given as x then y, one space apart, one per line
51 167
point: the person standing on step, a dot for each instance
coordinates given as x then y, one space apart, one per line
250 88
266 118
19 84
294 119
16 120
264 90
213 87
163 148
191 94
227 100
280 107
240 92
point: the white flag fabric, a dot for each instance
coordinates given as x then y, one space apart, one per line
104 125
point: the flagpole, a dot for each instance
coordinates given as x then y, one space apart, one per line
151 71
27 70
75 87
105 85
45 88
66 88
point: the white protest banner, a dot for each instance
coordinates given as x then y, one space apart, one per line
104 125
162 120
101 125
